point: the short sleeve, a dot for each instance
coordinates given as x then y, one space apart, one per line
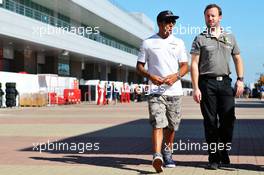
235 49
196 46
183 54
143 54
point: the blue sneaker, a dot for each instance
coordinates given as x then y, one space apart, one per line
157 162
168 161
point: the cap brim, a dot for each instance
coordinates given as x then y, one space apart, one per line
174 17
169 17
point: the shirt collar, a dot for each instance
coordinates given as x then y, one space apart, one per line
207 34
222 38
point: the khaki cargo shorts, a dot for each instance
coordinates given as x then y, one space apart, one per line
164 111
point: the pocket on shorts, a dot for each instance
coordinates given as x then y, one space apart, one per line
174 106
157 115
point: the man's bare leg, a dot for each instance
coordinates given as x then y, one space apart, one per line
157 137
169 138
168 148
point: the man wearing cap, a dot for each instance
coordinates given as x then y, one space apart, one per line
211 52
167 62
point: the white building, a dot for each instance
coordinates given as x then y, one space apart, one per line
87 39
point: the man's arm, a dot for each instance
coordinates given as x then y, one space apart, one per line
154 78
240 72
197 96
171 79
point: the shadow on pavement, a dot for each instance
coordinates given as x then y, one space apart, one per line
124 162
250 104
135 138
113 162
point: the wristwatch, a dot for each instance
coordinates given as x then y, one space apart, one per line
240 78
179 76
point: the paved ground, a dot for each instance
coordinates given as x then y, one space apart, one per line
115 139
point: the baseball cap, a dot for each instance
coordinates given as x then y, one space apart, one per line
165 15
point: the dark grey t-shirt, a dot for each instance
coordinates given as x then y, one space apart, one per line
214 53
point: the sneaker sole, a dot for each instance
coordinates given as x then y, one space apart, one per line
170 166
212 167
157 164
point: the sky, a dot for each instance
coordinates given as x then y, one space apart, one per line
243 18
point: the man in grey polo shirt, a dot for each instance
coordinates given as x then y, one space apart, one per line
211 52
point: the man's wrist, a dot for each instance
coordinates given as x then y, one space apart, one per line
195 89
178 75
148 76
240 79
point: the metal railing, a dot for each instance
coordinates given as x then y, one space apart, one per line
45 18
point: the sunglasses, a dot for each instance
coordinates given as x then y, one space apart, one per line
168 21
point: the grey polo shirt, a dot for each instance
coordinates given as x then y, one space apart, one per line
214 53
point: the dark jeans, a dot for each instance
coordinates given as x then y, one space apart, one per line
218 110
